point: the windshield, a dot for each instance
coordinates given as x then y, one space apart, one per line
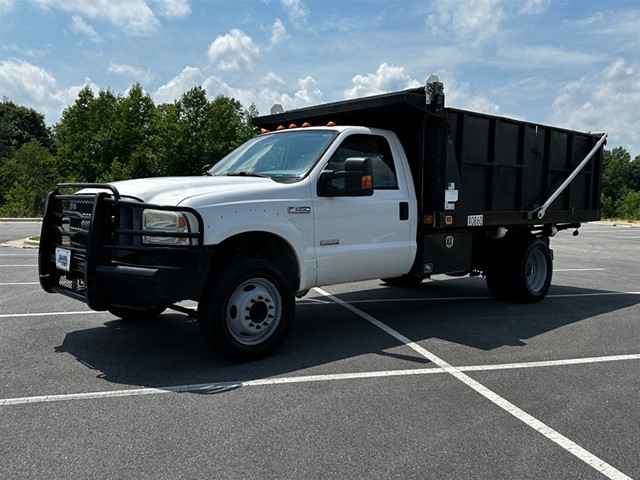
279 155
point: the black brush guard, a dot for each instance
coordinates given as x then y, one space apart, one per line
101 234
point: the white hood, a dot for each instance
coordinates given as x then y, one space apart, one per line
207 190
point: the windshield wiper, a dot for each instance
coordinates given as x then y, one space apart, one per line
247 174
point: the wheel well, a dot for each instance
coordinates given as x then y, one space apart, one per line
487 252
260 245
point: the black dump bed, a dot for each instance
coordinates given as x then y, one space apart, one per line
504 170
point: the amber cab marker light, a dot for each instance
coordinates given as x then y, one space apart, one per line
427 219
306 124
264 130
293 125
331 124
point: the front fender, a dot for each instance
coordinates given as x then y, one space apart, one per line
222 223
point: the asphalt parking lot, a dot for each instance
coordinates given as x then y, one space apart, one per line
441 381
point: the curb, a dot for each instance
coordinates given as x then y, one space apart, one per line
19 219
26 243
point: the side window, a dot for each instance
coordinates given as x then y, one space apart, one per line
374 147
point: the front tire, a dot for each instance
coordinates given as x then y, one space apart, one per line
247 309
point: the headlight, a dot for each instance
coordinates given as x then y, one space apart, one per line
166 222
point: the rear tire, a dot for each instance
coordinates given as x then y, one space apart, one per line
522 272
247 309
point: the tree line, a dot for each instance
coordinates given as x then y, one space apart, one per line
105 137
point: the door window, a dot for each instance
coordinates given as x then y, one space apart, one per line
371 146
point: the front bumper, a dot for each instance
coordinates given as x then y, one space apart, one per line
108 263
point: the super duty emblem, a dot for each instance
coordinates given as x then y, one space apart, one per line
299 210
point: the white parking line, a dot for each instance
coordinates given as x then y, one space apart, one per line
46 314
216 387
556 437
578 270
18 265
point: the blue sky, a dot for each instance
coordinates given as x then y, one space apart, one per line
571 63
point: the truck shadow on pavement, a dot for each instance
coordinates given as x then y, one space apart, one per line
327 338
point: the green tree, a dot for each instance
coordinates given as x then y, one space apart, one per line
634 174
230 126
629 206
131 136
28 178
84 136
20 125
616 171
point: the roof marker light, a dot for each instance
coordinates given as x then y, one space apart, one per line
331 124
293 125
306 124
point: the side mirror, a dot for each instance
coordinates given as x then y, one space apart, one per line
357 176
205 168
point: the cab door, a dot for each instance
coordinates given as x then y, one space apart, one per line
364 237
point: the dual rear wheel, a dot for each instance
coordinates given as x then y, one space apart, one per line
521 269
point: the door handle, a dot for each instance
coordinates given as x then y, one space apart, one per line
404 210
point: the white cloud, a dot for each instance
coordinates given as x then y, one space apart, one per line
273 79
533 7
296 10
387 78
307 93
472 21
174 88
134 16
545 56
32 86
460 94
173 8
134 73
278 32
608 101
6 6
79 26
233 51
22 79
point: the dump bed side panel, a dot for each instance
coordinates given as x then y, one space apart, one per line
506 169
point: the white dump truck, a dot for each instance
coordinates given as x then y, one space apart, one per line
394 187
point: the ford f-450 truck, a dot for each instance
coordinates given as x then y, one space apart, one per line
393 187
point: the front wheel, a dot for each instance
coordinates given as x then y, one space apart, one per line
246 310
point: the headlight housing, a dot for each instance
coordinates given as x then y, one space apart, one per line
169 223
